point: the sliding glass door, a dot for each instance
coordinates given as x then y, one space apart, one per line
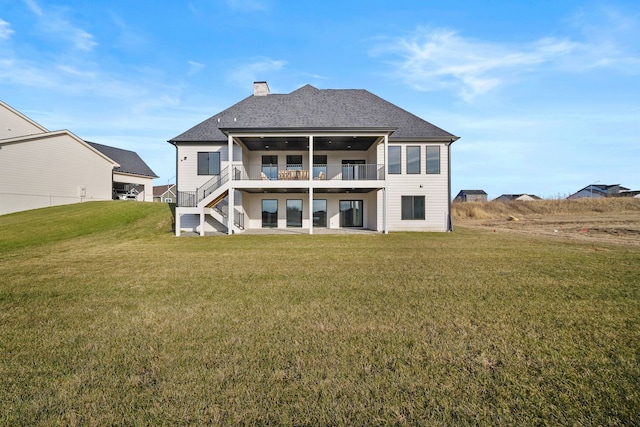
269 213
351 213
320 213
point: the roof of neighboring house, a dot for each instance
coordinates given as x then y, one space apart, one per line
516 196
312 108
129 161
472 192
159 190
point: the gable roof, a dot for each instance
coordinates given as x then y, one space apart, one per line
159 190
129 161
315 109
472 192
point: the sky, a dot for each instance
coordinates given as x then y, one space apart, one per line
544 95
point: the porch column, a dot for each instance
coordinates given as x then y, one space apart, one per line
311 184
311 210
178 216
231 209
202 222
384 189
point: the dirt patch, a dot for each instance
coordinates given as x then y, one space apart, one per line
609 228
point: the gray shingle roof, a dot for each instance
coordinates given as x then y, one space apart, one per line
129 161
311 108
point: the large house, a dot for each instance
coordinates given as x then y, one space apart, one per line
471 196
40 168
313 159
599 191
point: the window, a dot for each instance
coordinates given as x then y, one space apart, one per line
350 213
413 207
294 213
395 159
433 159
209 163
294 162
413 159
269 213
319 166
320 213
270 166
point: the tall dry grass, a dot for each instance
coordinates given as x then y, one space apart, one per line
577 207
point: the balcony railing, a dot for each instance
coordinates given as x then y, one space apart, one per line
187 199
348 172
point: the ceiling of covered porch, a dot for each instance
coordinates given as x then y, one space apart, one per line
300 143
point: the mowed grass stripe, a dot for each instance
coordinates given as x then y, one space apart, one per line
122 323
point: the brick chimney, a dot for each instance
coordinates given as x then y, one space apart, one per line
260 89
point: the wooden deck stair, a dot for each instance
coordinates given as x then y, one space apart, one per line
218 199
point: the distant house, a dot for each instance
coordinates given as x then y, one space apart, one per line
164 193
471 196
517 197
132 176
594 191
40 168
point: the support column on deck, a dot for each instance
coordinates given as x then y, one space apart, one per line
385 156
310 184
202 222
231 208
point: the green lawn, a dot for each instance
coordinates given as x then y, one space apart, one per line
107 318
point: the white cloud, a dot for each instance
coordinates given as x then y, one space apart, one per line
436 59
194 67
246 74
54 23
5 29
443 59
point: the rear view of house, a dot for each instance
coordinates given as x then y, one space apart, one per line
313 159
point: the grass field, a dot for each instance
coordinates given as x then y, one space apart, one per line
107 318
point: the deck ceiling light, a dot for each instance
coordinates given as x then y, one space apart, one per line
349 147
266 146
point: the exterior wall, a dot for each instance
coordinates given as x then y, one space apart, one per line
15 125
147 182
51 171
253 208
187 173
433 186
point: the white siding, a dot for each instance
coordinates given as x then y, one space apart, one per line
53 170
188 178
14 125
434 187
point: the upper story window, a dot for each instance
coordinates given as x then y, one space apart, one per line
395 158
413 159
433 159
209 163
294 162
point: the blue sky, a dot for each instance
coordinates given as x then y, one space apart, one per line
545 95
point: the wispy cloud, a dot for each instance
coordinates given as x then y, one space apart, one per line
245 74
55 24
443 59
194 68
435 59
5 29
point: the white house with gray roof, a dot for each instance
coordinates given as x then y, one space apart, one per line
313 159
41 168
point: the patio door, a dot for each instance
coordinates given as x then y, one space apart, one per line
270 166
353 169
351 213
320 212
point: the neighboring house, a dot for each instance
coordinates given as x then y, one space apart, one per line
164 193
39 168
471 196
517 197
594 191
132 175
313 158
